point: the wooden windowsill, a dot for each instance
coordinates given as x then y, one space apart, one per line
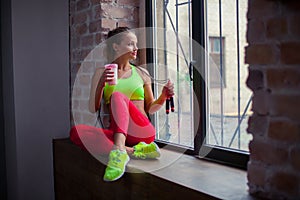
210 178
78 175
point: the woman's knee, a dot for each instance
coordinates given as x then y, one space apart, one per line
77 131
116 96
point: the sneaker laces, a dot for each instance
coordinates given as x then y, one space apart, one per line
140 155
114 159
142 151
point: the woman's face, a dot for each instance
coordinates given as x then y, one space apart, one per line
127 48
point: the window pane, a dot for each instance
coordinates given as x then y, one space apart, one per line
229 98
172 57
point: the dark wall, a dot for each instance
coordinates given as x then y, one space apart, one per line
35 74
2 147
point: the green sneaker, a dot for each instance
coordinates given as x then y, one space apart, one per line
116 165
143 150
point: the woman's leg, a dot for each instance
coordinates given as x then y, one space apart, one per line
128 120
129 126
95 140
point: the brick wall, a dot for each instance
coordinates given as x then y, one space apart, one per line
274 77
90 21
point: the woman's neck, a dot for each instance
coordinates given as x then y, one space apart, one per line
123 65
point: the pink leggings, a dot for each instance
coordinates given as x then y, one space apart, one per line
125 118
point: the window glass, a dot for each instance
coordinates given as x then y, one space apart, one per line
172 57
228 100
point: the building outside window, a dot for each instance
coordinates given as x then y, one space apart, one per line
219 114
217 59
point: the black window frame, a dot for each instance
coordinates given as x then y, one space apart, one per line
231 157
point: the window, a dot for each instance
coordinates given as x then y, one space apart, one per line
216 54
172 56
189 48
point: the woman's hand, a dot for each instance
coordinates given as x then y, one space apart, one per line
154 105
168 90
98 82
107 76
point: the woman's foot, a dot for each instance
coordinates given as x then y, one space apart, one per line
116 165
143 151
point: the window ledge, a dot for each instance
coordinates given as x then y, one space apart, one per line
78 175
209 178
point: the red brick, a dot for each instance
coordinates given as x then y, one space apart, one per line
75 67
88 67
255 31
97 12
75 55
285 182
100 37
291 6
75 103
261 54
290 53
82 4
136 13
87 41
76 93
72 7
84 54
76 116
130 24
258 125
108 23
276 28
262 8
99 52
81 29
96 2
286 78
95 26
83 104
284 131
285 106
267 153
114 12
260 102
295 158
128 2
294 28
75 42
255 79
88 118
80 18
106 1
84 80
256 174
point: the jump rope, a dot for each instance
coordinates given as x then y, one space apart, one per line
170 100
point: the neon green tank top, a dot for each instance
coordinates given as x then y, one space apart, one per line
132 87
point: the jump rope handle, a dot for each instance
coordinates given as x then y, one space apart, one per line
170 101
167 106
172 104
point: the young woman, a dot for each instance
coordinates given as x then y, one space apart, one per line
130 132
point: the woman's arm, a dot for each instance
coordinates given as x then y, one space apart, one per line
100 76
153 105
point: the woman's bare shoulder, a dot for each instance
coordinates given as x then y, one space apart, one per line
144 73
